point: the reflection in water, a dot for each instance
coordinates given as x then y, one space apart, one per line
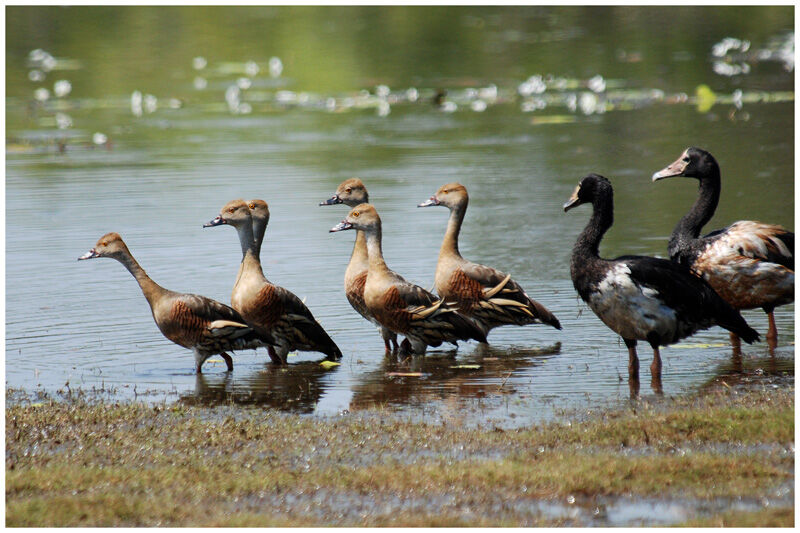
295 387
440 376
518 155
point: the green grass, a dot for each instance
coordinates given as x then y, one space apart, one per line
82 464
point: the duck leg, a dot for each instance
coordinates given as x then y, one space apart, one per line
228 361
633 359
277 359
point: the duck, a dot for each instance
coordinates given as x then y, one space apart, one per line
267 308
639 297
750 264
488 296
399 305
205 326
351 193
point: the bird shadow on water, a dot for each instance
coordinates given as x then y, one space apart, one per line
439 376
296 387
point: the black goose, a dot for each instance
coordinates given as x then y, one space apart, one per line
639 297
750 264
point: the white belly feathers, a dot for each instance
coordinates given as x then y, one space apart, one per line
631 311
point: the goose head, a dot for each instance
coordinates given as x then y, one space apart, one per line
350 192
591 187
451 195
693 163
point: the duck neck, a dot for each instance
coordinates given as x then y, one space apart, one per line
359 257
450 242
150 288
251 249
689 227
587 246
375 251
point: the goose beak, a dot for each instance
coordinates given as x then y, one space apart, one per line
218 221
341 226
573 201
675 169
429 202
91 254
333 200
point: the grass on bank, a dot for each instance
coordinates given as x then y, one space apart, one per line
85 464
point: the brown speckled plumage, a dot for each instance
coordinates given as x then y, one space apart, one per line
485 294
201 324
351 193
269 309
400 306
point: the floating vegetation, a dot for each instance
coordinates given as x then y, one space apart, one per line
551 98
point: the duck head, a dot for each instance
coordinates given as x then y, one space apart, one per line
350 192
450 195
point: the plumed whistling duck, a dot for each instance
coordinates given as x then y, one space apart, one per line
638 297
400 306
488 296
750 264
201 324
267 308
351 193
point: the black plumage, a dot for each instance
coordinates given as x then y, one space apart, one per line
639 297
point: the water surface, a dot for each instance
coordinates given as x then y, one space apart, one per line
156 178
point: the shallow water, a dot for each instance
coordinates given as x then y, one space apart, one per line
167 172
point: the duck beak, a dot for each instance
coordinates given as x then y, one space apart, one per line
429 202
91 254
341 226
675 169
333 200
573 201
218 221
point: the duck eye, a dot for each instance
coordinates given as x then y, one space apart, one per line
104 243
231 210
348 190
355 214
252 206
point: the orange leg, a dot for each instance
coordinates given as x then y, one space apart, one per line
772 333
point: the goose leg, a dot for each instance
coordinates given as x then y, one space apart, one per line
736 343
772 333
655 372
228 361
633 359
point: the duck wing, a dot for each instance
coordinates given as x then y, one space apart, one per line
497 299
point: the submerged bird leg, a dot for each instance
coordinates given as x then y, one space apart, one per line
655 372
228 361
273 355
633 359
633 386
736 344
772 333
655 366
396 346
